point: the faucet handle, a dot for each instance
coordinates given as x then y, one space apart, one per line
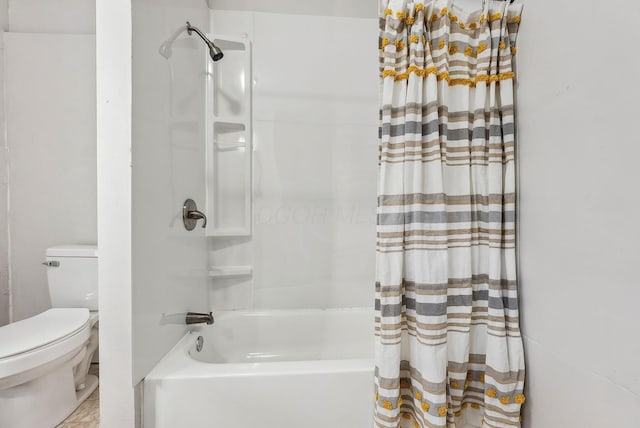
191 215
198 215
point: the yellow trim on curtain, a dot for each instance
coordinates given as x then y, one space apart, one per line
410 18
422 72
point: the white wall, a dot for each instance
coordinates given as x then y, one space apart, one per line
315 158
579 231
50 114
150 158
4 15
24 293
113 82
52 16
5 294
168 149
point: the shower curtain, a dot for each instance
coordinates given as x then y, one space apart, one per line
448 346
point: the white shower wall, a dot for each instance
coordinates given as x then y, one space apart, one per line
169 263
315 164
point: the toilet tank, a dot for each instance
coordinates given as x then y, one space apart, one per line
72 275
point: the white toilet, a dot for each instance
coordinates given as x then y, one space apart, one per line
44 359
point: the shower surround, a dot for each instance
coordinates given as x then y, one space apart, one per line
283 343
314 163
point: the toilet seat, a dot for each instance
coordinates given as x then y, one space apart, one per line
46 338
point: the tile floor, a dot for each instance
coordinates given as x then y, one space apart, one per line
87 415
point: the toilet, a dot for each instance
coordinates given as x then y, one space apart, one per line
44 360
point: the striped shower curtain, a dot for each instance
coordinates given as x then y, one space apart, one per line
448 346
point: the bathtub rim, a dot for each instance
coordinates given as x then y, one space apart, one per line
178 364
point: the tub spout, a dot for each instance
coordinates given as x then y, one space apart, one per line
199 318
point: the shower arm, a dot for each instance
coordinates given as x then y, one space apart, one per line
191 28
215 52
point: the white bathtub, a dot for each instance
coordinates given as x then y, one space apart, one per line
271 369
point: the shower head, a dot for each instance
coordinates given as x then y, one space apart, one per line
214 51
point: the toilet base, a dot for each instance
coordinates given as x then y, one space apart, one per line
90 385
45 401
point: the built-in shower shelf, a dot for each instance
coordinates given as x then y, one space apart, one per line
229 271
228 134
230 45
224 145
226 124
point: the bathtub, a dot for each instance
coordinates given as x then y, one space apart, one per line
268 369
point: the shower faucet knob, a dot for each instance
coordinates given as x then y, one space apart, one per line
191 215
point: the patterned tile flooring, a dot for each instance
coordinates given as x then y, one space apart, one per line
87 415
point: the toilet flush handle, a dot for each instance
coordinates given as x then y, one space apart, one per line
53 263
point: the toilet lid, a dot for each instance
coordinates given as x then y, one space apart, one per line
40 330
